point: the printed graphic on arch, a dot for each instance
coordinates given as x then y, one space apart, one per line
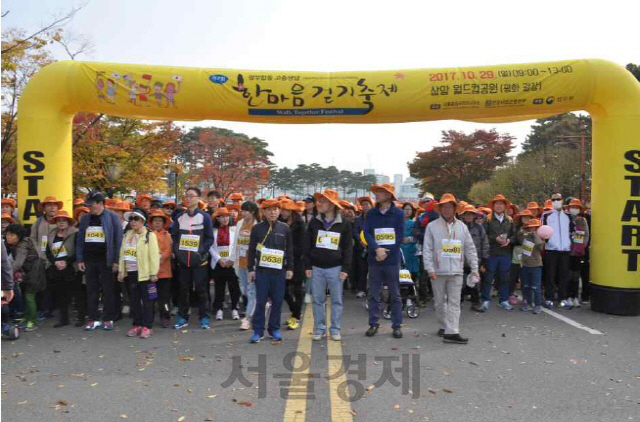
290 94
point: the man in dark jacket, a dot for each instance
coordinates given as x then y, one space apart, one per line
97 252
192 234
428 203
384 232
501 232
360 252
327 255
481 242
270 264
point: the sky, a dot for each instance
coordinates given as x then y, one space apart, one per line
339 36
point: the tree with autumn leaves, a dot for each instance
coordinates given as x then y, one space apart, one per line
461 160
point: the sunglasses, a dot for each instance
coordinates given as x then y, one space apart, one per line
136 219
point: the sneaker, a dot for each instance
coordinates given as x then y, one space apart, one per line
175 311
513 300
505 305
146 332
441 332
166 322
255 338
107 325
397 332
92 325
275 335
204 322
361 295
219 315
308 298
566 304
294 324
31 326
455 338
525 308
336 336
181 323
317 336
245 324
134 331
485 306
576 303
372 331
537 309
235 315
478 307
126 309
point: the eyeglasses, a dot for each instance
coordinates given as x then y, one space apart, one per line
192 196
136 219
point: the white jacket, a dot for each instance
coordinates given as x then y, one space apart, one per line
561 223
215 250
236 250
432 252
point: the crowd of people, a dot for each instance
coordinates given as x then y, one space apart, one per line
240 259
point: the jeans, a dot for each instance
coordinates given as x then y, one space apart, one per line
446 297
198 277
100 275
378 275
321 279
499 264
532 285
269 284
249 290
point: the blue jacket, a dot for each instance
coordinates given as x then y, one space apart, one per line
392 219
112 233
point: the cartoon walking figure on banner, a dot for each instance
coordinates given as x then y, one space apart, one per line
170 90
240 87
157 93
100 85
144 90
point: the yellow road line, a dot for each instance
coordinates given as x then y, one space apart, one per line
340 409
295 409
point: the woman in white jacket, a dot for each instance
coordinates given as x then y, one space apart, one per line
222 263
447 244
250 217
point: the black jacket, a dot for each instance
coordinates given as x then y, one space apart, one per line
324 257
494 228
279 237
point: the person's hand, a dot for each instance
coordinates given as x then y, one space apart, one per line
476 275
432 276
289 275
120 277
308 273
7 295
81 266
381 254
343 276
114 268
153 278
61 265
363 245
252 276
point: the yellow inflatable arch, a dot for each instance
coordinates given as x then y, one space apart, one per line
481 94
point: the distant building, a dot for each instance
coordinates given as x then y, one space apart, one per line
408 190
367 172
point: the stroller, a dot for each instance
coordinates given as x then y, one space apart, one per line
408 292
9 331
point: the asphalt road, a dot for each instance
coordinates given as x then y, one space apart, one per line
516 367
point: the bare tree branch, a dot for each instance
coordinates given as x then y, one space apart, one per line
75 45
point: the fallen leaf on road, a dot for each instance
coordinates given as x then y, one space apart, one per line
353 412
394 347
185 331
432 391
61 386
474 363
181 418
189 390
124 416
213 396
396 407
23 402
62 402
549 361
186 358
447 390
93 385
245 403
371 387
141 369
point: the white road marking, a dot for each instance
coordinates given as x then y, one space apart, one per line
571 322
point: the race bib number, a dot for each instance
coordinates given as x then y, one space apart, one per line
223 251
58 250
527 247
94 234
578 237
189 242
243 245
328 240
43 243
131 253
405 276
271 258
385 236
451 248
